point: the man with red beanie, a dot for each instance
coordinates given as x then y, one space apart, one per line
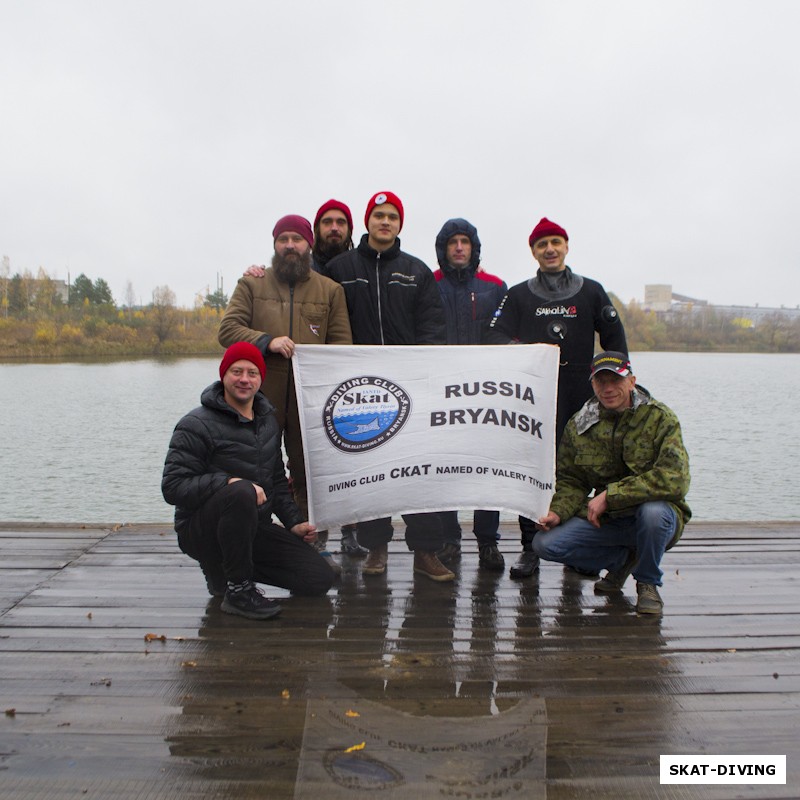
333 233
291 304
224 475
557 306
392 299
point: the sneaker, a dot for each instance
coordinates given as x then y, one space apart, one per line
215 581
649 601
490 557
251 603
450 552
350 545
376 561
613 582
426 563
527 564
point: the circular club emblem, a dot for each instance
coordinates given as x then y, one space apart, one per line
365 412
380 199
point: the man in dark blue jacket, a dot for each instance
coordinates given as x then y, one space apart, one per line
470 298
224 475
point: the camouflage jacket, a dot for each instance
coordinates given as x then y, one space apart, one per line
636 455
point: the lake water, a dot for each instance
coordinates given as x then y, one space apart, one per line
85 442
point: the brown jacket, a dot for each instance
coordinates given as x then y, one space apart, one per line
263 308
315 312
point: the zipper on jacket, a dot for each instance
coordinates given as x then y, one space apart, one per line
289 377
474 312
378 288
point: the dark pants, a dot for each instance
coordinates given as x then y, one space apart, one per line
423 532
485 525
229 538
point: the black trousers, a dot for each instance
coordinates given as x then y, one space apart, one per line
230 539
423 531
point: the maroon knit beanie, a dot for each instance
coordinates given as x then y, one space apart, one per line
547 228
294 223
379 199
337 204
242 350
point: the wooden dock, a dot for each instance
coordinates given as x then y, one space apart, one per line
122 679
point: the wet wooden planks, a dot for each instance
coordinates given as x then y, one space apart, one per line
218 709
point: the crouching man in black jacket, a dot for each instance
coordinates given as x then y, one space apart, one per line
224 474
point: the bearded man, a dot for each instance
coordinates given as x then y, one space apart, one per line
291 304
333 233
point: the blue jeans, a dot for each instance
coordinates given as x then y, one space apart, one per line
485 525
648 531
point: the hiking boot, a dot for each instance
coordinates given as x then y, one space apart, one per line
490 557
350 545
649 601
250 602
613 582
376 560
450 552
426 563
215 581
527 564
584 573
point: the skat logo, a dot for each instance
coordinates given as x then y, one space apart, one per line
561 311
365 412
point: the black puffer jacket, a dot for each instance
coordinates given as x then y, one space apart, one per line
213 443
391 296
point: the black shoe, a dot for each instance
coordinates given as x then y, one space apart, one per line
490 557
250 603
449 553
526 565
350 545
215 581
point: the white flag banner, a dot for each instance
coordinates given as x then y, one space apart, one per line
391 430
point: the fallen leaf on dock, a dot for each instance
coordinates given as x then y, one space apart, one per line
155 637
356 747
351 713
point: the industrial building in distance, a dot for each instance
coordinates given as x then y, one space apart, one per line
667 304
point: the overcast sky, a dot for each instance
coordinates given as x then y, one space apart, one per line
158 142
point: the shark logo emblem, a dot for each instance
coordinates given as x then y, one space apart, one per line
365 412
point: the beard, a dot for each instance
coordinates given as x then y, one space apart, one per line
331 249
292 267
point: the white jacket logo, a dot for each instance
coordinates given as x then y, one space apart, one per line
561 311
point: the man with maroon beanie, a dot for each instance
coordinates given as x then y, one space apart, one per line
557 306
224 475
291 304
392 299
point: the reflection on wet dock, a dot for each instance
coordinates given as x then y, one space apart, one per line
121 678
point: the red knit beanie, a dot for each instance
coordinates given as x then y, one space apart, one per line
379 199
547 228
337 204
294 223
239 351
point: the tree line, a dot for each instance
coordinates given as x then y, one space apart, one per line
36 320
